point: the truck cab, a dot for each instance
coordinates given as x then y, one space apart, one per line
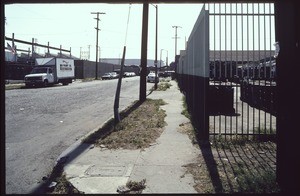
40 76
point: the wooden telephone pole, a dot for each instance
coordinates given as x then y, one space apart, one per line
97 29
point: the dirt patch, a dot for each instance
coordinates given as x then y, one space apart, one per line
139 129
188 129
56 182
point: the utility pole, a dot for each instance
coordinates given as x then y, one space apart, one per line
143 74
48 49
156 29
97 29
166 56
99 49
32 48
80 52
89 52
160 57
176 38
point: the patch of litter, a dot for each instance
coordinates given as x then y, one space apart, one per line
52 184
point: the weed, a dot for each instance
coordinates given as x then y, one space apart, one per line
164 80
87 79
14 86
263 181
162 86
264 134
185 111
157 102
63 186
188 129
220 141
136 186
264 130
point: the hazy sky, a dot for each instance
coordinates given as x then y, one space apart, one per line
73 25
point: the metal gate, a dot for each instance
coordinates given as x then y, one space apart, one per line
242 69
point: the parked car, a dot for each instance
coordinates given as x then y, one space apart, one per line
107 76
167 74
151 77
129 74
114 75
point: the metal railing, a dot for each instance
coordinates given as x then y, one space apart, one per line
240 70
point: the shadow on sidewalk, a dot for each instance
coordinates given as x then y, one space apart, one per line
248 167
211 164
83 145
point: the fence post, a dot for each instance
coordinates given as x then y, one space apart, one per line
287 34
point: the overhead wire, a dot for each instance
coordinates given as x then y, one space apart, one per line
127 25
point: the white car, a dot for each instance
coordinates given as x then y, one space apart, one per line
106 76
114 75
151 77
129 74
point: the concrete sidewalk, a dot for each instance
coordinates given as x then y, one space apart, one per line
100 170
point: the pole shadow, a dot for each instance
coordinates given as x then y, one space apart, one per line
241 167
211 164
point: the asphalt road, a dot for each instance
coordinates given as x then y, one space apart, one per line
42 122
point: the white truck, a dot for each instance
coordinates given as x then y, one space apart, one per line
49 71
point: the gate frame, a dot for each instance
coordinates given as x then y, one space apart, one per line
287 34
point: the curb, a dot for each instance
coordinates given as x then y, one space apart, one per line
62 157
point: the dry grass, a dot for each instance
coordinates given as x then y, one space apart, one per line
188 129
185 111
162 86
138 129
14 86
62 186
87 79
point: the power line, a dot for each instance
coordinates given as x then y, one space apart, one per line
127 25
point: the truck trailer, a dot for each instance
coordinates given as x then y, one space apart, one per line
50 71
